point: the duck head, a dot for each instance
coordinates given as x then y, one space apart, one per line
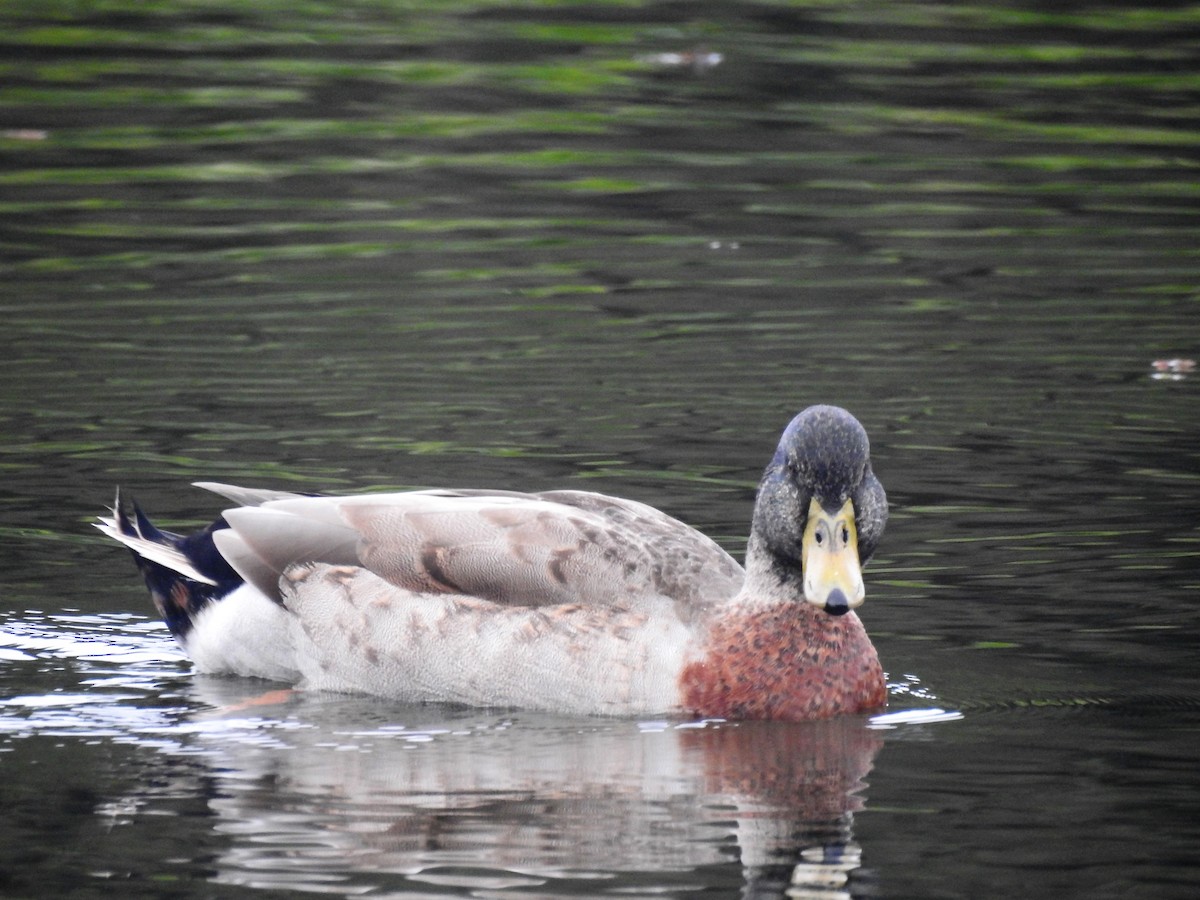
820 510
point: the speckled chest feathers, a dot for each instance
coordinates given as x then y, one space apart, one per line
787 661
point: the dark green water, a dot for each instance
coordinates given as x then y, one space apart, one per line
349 246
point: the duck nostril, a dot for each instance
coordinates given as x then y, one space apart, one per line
836 603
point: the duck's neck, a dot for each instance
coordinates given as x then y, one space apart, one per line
769 654
770 580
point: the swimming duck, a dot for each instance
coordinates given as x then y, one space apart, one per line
566 601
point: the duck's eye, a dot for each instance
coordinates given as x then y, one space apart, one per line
819 536
845 534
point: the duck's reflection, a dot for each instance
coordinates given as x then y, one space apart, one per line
320 793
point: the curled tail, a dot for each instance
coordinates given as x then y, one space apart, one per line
184 573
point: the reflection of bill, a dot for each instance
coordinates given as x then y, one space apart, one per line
473 799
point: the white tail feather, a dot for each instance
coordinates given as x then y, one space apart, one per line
162 554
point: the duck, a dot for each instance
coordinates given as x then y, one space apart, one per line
564 601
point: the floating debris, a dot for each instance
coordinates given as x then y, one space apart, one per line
696 60
1172 369
24 134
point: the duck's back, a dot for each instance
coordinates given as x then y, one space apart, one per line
521 550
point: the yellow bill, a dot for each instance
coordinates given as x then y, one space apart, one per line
829 554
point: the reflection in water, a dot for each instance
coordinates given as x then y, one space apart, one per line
478 800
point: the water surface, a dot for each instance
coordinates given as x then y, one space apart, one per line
611 246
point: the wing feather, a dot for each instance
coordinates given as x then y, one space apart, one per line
244 496
506 548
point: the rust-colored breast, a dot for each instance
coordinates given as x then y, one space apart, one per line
793 663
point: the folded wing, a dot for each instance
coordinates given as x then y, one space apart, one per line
506 548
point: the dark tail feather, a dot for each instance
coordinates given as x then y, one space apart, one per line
145 527
184 573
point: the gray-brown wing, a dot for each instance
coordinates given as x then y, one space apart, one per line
515 549
683 563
